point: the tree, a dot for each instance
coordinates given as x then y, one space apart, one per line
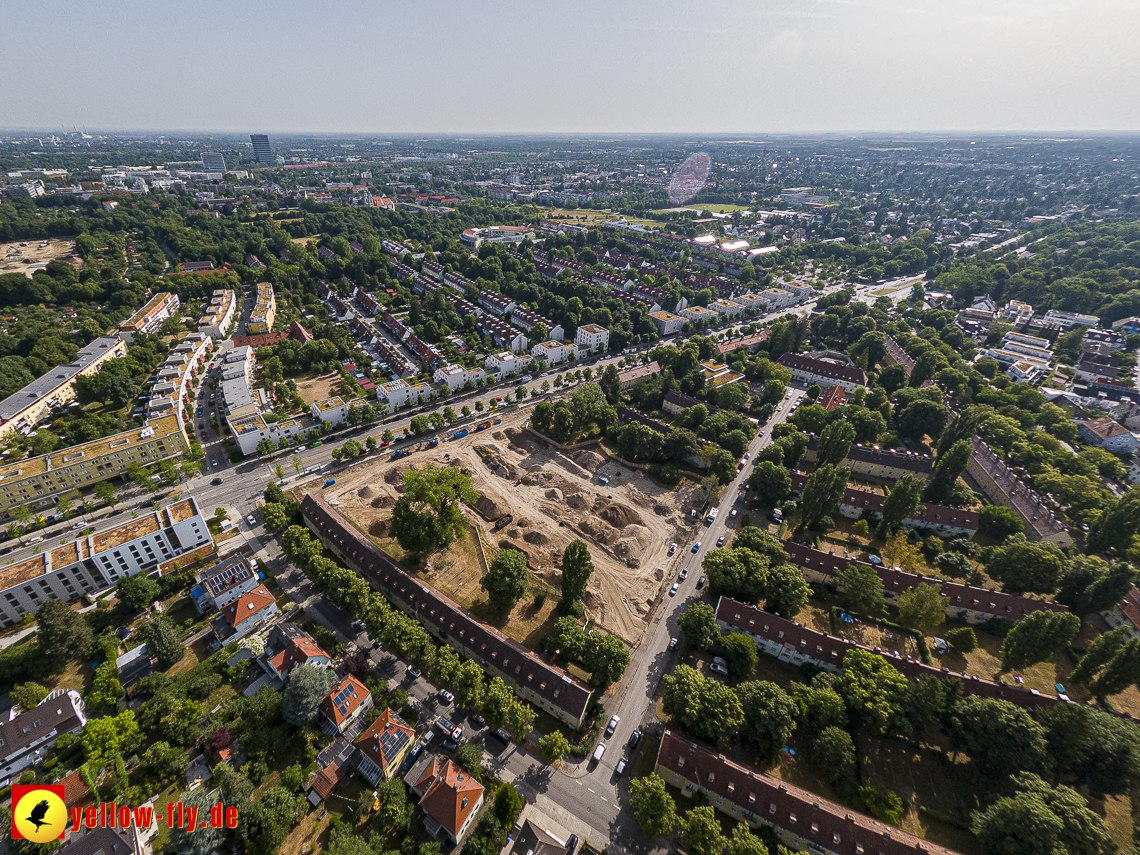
63 633
28 695
1000 738
468 684
506 579
963 639
862 589
698 622
901 503
787 592
420 425
1039 819
1037 637
136 592
1089 584
651 805
163 641
1120 672
921 607
270 819
470 757
554 746
508 806
922 417
999 521
274 516
105 491
1118 524
835 443
304 692
707 708
874 690
1091 748
736 572
197 841
770 483
611 385
576 569
567 637
822 492
105 737
1021 566
769 718
605 657
834 753
700 831
1100 652
429 514
947 468
437 421
740 653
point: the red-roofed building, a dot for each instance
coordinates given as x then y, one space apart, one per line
324 781
1126 613
299 333
75 792
302 650
245 613
808 369
345 705
832 398
450 798
383 747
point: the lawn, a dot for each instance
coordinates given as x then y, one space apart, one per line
76 675
703 207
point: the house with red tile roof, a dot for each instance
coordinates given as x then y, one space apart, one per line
1126 613
450 798
287 647
382 747
832 398
808 369
245 614
322 782
345 705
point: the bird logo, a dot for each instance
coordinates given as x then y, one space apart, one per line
39 813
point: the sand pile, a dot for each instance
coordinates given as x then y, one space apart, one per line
577 500
536 537
379 528
493 459
589 460
366 492
499 435
619 516
383 502
638 534
514 532
490 508
554 493
395 475
523 522
521 441
661 510
570 466
600 531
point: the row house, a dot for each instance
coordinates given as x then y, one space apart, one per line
344 707
428 354
872 463
547 271
401 271
458 281
797 645
944 521
422 286
382 747
390 358
799 819
635 300
749 342
361 328
658 295
730 290
395 326
339 308
432 269
537 682
1001 486
553 352
324 289
591 338
676 403
525 320
611 280
630 377
1093 366
807 369
393 248
495 303
398 393
503 333
462 307
218 318
368 303
961 601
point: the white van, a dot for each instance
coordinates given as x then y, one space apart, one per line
598 752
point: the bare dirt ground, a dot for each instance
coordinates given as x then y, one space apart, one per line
317 388
555 498
27 259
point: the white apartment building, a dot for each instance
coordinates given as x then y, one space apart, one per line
97 561
455 377
698 314
1068 320
218 319
149 318
553 352
505 362
726 308
249 430
333 410
398 393
667 323
592 338
1017 313
752 302
778 298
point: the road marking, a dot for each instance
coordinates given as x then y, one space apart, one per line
590 789
579 783
603 798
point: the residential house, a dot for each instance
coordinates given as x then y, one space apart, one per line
397 393
344 706
676 402
553 352
24 737
878 464
495 303
505 362
1001 486
832 398
639 373
288 647
222 583
1110 339
667 323
1109 435
1126 613
245 614
808 369
449 797
526 320
383 746
591 338
1068 320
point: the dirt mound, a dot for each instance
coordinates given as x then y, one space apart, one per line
379 528
366 492
493 459
499 435
383 502
536 537
589 460
600 531
577 500
638 534
396 474
490 509
523 523
661 510
520 440
554 493
619 516
514 532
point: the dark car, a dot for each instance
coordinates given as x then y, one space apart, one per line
502 736
571 844
701 582
449 745
477 720
216 481
634 738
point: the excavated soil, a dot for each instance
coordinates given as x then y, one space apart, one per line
628 524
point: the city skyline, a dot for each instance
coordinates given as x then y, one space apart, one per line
827 66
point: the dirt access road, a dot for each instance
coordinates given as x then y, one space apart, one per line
555 498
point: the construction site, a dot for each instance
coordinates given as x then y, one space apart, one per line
537 498
28 256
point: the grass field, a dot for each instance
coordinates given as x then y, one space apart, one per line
703 207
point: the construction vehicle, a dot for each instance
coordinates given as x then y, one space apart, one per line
459 434
503 521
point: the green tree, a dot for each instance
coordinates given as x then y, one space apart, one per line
105 737
1000 738
700 831
1118 524
835 443
162 641
707 708
63 633
1120 672
770 483
105 688
567 637
270 819
420 425
508 806
1039 819
787 592
605 657
736 572
822 492
769 718
1021 566
506 580
105 491
469 756
27 695
901 503
274 516
136 592
307 687
611 385
1037 637
962 639
651 805
698 622
947 468
468 684
861 588
740 653
197 841
999 521
834 753
921 607
554 746
874 691
744 842
576 569
429 514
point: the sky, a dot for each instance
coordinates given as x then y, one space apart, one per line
576 66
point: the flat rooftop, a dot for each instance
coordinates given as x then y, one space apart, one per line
54 378
180 511
125 533
24 571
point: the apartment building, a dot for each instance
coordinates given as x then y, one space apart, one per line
525 320
630 377
455 377
778 298
591 338
667 323
221 584
1017 313
752 302
24 737
496 303
726 308
398 393
264 310
750 342
1068 320
503 334
878 464
97 561
808 369
537 682
1001 486
383 746
553 352
172 392
249 430
505 362
1109 435
149 318
218 318
38 481
22 411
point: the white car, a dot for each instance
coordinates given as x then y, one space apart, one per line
251 520
612 726
674 589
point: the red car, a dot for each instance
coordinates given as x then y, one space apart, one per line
382 445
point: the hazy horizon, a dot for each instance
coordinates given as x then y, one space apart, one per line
848 67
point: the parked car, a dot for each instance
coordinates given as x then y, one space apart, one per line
672 644
449 745
612 726
445 696
683 575
501 735
216 481
673 590
571 844
719 666
598 752
634 738
672 548
720 540
697 547
251 520
414 672
619 769
477 720
701 582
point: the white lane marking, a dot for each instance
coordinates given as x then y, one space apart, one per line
590 789
603 798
